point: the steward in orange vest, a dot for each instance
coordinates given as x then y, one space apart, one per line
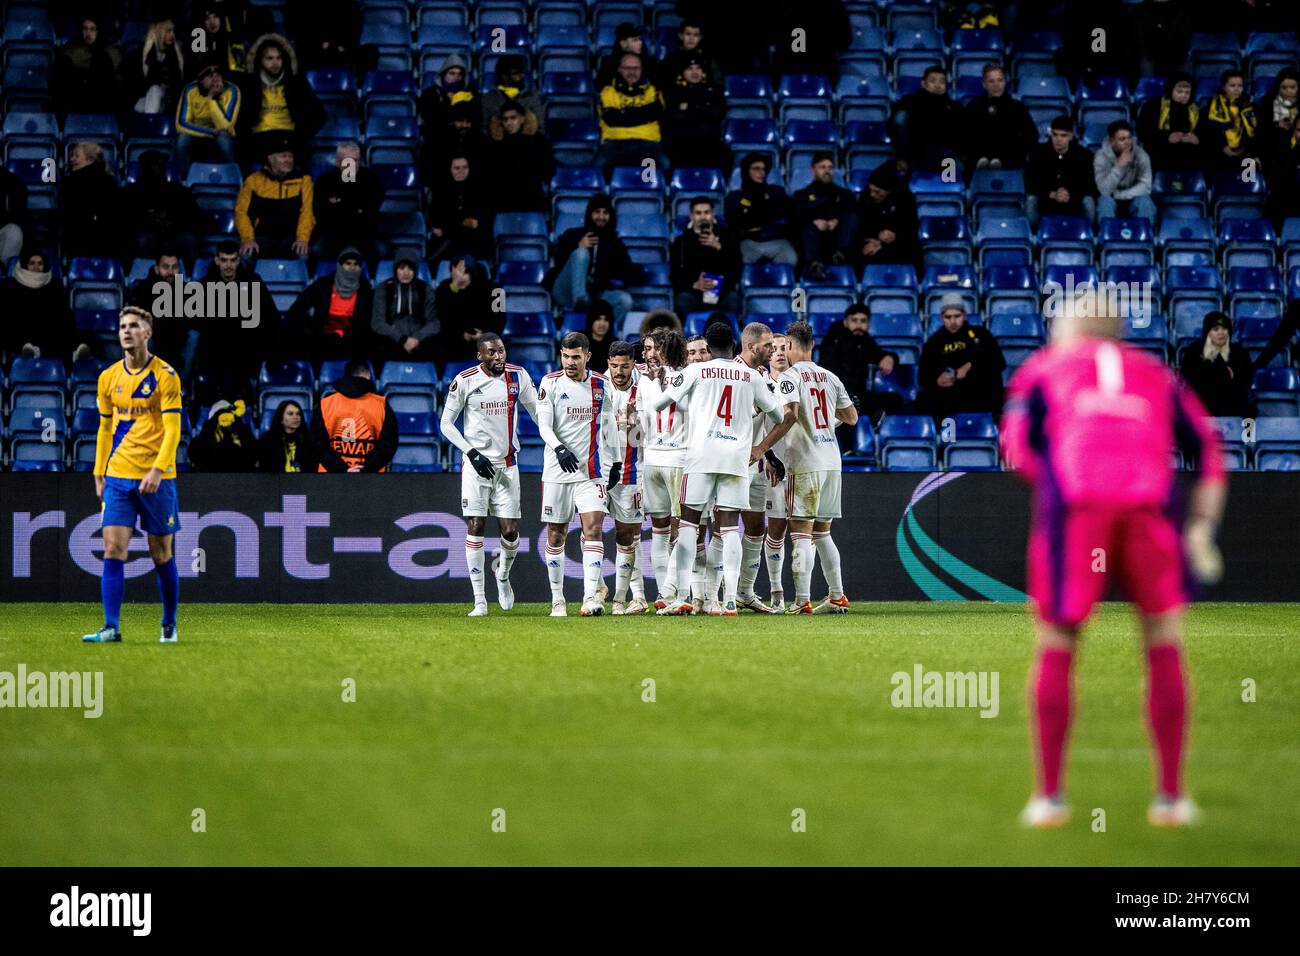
355 428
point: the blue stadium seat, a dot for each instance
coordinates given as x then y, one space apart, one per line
1002 234
1125 241
422 458
935 196
975 443
521 235
999 193
1193 291
1064 240
1231 437
1186 242
1235 198
30 135
1173 190
646 237
1277 444
1047 91
901 382
749 135
940 280
863 98
1247 242
1277 392
419 378
867 144
1010 289
803 96
890 289
529 328
522 282
899 333
697 322
1148 332
907 443
283 275
295 372
575 140
1254 334
391 140
1255 293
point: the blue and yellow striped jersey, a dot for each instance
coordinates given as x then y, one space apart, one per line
143 407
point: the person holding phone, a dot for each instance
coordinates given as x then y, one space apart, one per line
591 263
706 263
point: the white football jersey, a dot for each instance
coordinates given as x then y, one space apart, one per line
786 388
664 430
811 444
579 416
491 407
623 444
720 396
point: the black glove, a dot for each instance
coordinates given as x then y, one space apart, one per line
481 464
777 465
615 472
566 459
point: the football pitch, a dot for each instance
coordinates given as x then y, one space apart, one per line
518 739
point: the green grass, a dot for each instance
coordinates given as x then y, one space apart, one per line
753 717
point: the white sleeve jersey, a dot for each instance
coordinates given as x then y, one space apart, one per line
720 396
664 430
623 441
491 405
580 416
786 388
811 444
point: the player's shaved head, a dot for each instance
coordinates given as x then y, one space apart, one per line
491 353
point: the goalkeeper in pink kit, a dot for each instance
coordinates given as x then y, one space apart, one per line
1091 425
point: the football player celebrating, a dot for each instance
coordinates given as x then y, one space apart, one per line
778 485
489 394
664 454
624 496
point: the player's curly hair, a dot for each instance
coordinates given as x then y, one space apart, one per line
671 347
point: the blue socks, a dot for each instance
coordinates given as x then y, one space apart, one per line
111 586
169 589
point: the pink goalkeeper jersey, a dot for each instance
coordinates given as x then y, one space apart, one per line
1093 422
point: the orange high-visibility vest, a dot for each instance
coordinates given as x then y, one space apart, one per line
353 425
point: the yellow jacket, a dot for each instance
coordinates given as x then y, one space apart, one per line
205 116
275 208
630 112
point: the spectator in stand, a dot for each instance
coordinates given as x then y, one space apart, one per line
1123 172
1230 125
510 89
1280 106
273 213
159 213
631 110
287 446
600 334
206 118
887 220
404 316
961 365
760 214
228 353
1169 128
332 315
591 262
694 111
521 160
825 218
355 428
705 263
225 443
1059 179
170 334
345 204
463 304
998 128
88 73
1220 373
461 215
277 102
628 38
848 350
328 35
660 319
162 70
459 136
89 206
220 47
450 87
35 320
928 126
13 215
690 38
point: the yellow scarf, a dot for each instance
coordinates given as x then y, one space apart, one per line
1240 119
1193 114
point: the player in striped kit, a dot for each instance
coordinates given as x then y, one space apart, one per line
489 394
697 350
814 466
625 492
778 487
575 417
663 454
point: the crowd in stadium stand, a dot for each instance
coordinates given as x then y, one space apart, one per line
397 176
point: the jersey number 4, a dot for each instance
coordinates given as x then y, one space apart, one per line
724 406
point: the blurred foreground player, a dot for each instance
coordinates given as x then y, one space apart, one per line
135 470
1090 424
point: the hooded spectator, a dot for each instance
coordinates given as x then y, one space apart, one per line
848 350
631 111
221 47
328 35
693 113
690 39
759 214
459 136
628 38
601 333
660 319
404 316
1123 172
333 314
591 262
277 102
162 70
1231 126
928 125
451 86
510 89
206 118
13 215
159 212
1280 105
1169 127
521 159
35 320
998 128
89 205
273 212
887 220
463 302
825 217
88 73
286 446
1218 371
345 204
461 213
1059 178
961 366
705 263
225 443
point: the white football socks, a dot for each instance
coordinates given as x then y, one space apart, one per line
774 551
751 556
623 569
697 568
660 551
731 552
684 552
474 562
555 571
829 555
802 566
509 551
593 558
713 566
638 576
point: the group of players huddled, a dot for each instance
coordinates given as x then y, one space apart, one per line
697 433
